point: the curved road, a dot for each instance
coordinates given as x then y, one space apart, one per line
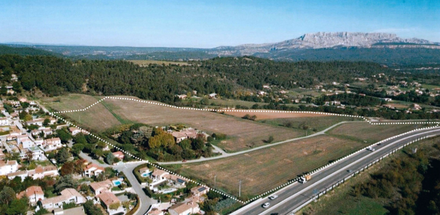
224 154
296 195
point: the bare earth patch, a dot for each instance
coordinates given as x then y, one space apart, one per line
269 115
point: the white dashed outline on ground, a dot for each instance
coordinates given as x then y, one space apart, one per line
436 124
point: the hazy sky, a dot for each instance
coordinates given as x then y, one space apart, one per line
209 23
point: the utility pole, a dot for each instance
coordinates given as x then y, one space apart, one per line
215 179
239 188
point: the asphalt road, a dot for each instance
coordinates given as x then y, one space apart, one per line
145 201
296 194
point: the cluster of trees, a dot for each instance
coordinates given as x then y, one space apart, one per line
402 183
55 76
350 99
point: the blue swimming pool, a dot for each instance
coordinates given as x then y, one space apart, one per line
116 182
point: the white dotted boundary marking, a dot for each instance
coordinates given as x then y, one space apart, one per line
237 110
345 157
148 162
243 110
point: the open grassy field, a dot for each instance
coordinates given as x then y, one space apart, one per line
242 133
160 62
369 133
97 118
265 169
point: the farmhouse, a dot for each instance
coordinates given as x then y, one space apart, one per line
184 134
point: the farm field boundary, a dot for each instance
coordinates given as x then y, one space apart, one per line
436 124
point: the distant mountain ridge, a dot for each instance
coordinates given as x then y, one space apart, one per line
324 40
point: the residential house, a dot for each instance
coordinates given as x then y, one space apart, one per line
101 186
4 121
14 133
46 131
184 208
37 153
21 174
199 191
119 155
68 195
38 122
184 134
176 180
74 131
159 175
108 199
155 211
34 194
144 171
52 144
93 170
71 211
182 96
43 171
25 141
7 167
415 107
213 95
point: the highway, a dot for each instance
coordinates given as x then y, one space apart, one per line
295 195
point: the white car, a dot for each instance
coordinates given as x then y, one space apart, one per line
266 205
272 197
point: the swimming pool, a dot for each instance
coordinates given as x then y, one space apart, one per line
145 174
116 182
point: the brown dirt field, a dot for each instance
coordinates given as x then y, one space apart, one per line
370 133
265 169
273 115
241 132
97 117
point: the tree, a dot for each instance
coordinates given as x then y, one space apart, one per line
110 158
67 168
16 86
63 155
77 148
7 195
115 206
91 209
18 206
46 122
64 135
197 144
64 182
270 139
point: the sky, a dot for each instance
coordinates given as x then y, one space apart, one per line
207 24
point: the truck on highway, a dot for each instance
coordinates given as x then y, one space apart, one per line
304 179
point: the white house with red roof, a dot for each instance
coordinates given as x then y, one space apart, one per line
93 170
34 194
68 195
7 167
119 155
52 144
108 199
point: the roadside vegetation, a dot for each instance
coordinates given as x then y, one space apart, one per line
406 183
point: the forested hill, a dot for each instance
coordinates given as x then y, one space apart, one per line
24 51
225 76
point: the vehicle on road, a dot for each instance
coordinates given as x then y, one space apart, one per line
349 170
304 179
266 205
272 197
371 149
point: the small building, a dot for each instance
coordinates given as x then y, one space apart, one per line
93 170
34 194
7 167
74 131
4 121
213 95
109 201
119 155
199 191
68 195
101 186
52 144
184 208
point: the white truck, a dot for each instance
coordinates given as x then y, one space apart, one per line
304 179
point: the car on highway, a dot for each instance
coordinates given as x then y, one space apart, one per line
272 197
266 205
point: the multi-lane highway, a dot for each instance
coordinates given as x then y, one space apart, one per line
296 195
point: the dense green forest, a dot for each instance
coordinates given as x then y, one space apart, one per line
24 51
224 76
